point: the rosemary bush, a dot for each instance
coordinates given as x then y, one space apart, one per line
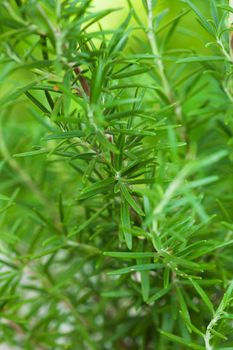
116 177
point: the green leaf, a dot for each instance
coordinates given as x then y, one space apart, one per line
4 198
97 82
132 132
145 284
182 341
97 16
65 135
130 255
136 268
126 195
166 277
132 167
203 295
88 222
126 225
130 73
226 298
103 139
9 238
173 21
217 334
124 114
37 103
97 188
183 304
214 12
12 97
225 7
32 153
201 59
158 295
117 294
203 21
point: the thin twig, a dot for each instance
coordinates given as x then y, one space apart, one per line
159 63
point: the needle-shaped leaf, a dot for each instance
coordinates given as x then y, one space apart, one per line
118 294
201 59
96 188
227 297
106 143
137 268
88 222
130 73
130 200
97 81
203 21
37 102
65 135
130 255
182 341
37 152
158 295
145 285
126 224
203 295
183 304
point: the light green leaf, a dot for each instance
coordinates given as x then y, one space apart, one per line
96 188
125 223
130 200
136 268
203 295
130 255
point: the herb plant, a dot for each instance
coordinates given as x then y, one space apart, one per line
116 177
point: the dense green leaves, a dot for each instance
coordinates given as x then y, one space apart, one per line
116 175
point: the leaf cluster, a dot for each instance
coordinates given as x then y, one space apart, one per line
116 179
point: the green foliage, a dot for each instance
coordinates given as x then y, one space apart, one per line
116 178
